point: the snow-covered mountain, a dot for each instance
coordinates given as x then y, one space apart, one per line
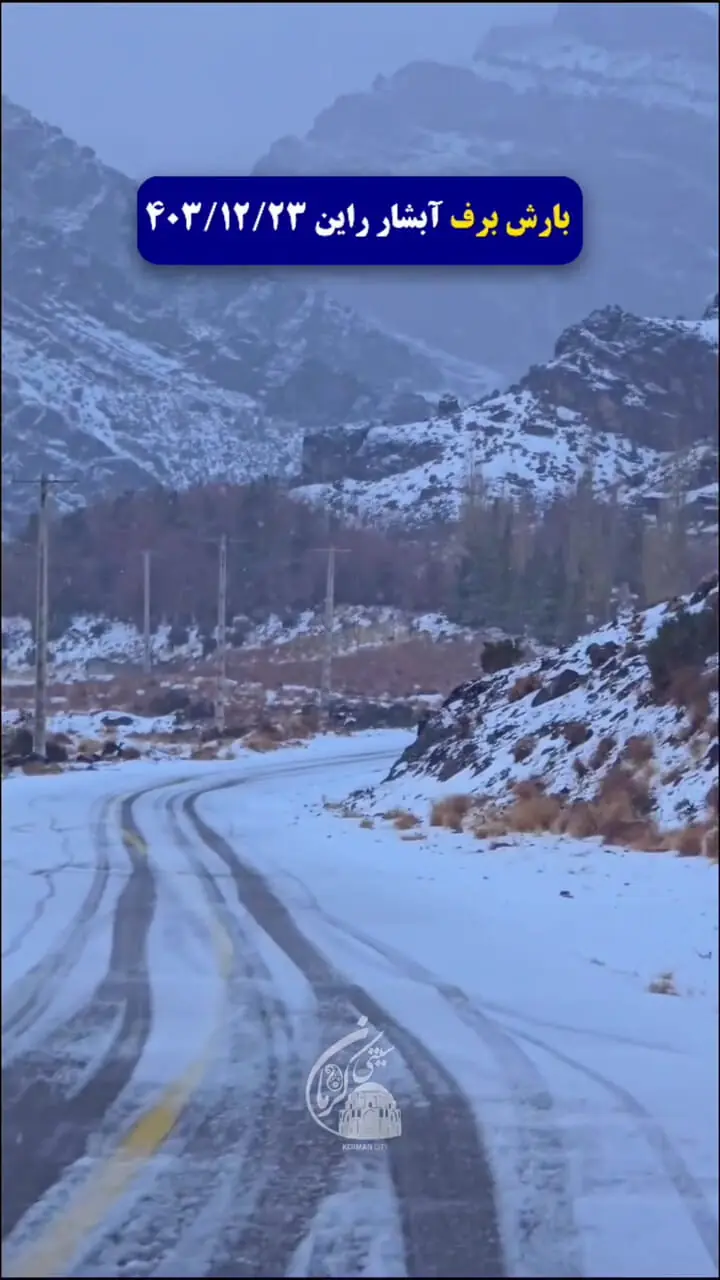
117 375
622 97
634 399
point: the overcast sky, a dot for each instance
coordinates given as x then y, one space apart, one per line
162 87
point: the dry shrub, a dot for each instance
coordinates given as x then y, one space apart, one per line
131 753
689 841
664 985
451 812
34 767
711 800
710 843
580 769
581 820
575 733
523 686
523 748
367 824
602 752
209 751
405 821
623 807
90 747
691 688
417 835
534 811
638 749
257 741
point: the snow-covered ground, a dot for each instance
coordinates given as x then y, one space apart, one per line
570 990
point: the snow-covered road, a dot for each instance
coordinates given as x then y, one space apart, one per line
182 946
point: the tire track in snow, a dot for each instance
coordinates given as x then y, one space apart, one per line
507 1051
37 1110
442 1177
31 995
197 1193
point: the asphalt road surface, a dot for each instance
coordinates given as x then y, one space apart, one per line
220 1171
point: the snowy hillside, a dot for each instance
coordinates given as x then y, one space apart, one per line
116 376
615 735
91 640
635 398
623 97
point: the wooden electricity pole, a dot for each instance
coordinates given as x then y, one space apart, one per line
222 637
223 542
41 627
147 638
329 628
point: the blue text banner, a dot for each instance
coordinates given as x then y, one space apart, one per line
372 222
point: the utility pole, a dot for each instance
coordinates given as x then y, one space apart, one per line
223 542
42 600
222 636
147 642
326 678
41 628
329 629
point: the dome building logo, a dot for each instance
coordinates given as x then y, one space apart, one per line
343 1096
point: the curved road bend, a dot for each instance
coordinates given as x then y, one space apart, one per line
439 1170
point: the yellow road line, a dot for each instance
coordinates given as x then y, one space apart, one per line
55 1251
135 841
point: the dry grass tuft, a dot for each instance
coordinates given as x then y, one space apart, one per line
208 751
533 810
639 749
576 732
36 767
405 821
451 812
710 844
523 686
523 748
690 840
367 824
257 741
602 752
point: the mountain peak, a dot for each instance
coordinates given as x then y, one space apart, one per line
641 27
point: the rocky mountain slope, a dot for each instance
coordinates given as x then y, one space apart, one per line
636 399
614 736
623 97
116 375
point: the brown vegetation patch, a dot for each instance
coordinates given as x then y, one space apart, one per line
450 812
523 748
523 686
257 741
405 821
602 752
576 732
638 749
